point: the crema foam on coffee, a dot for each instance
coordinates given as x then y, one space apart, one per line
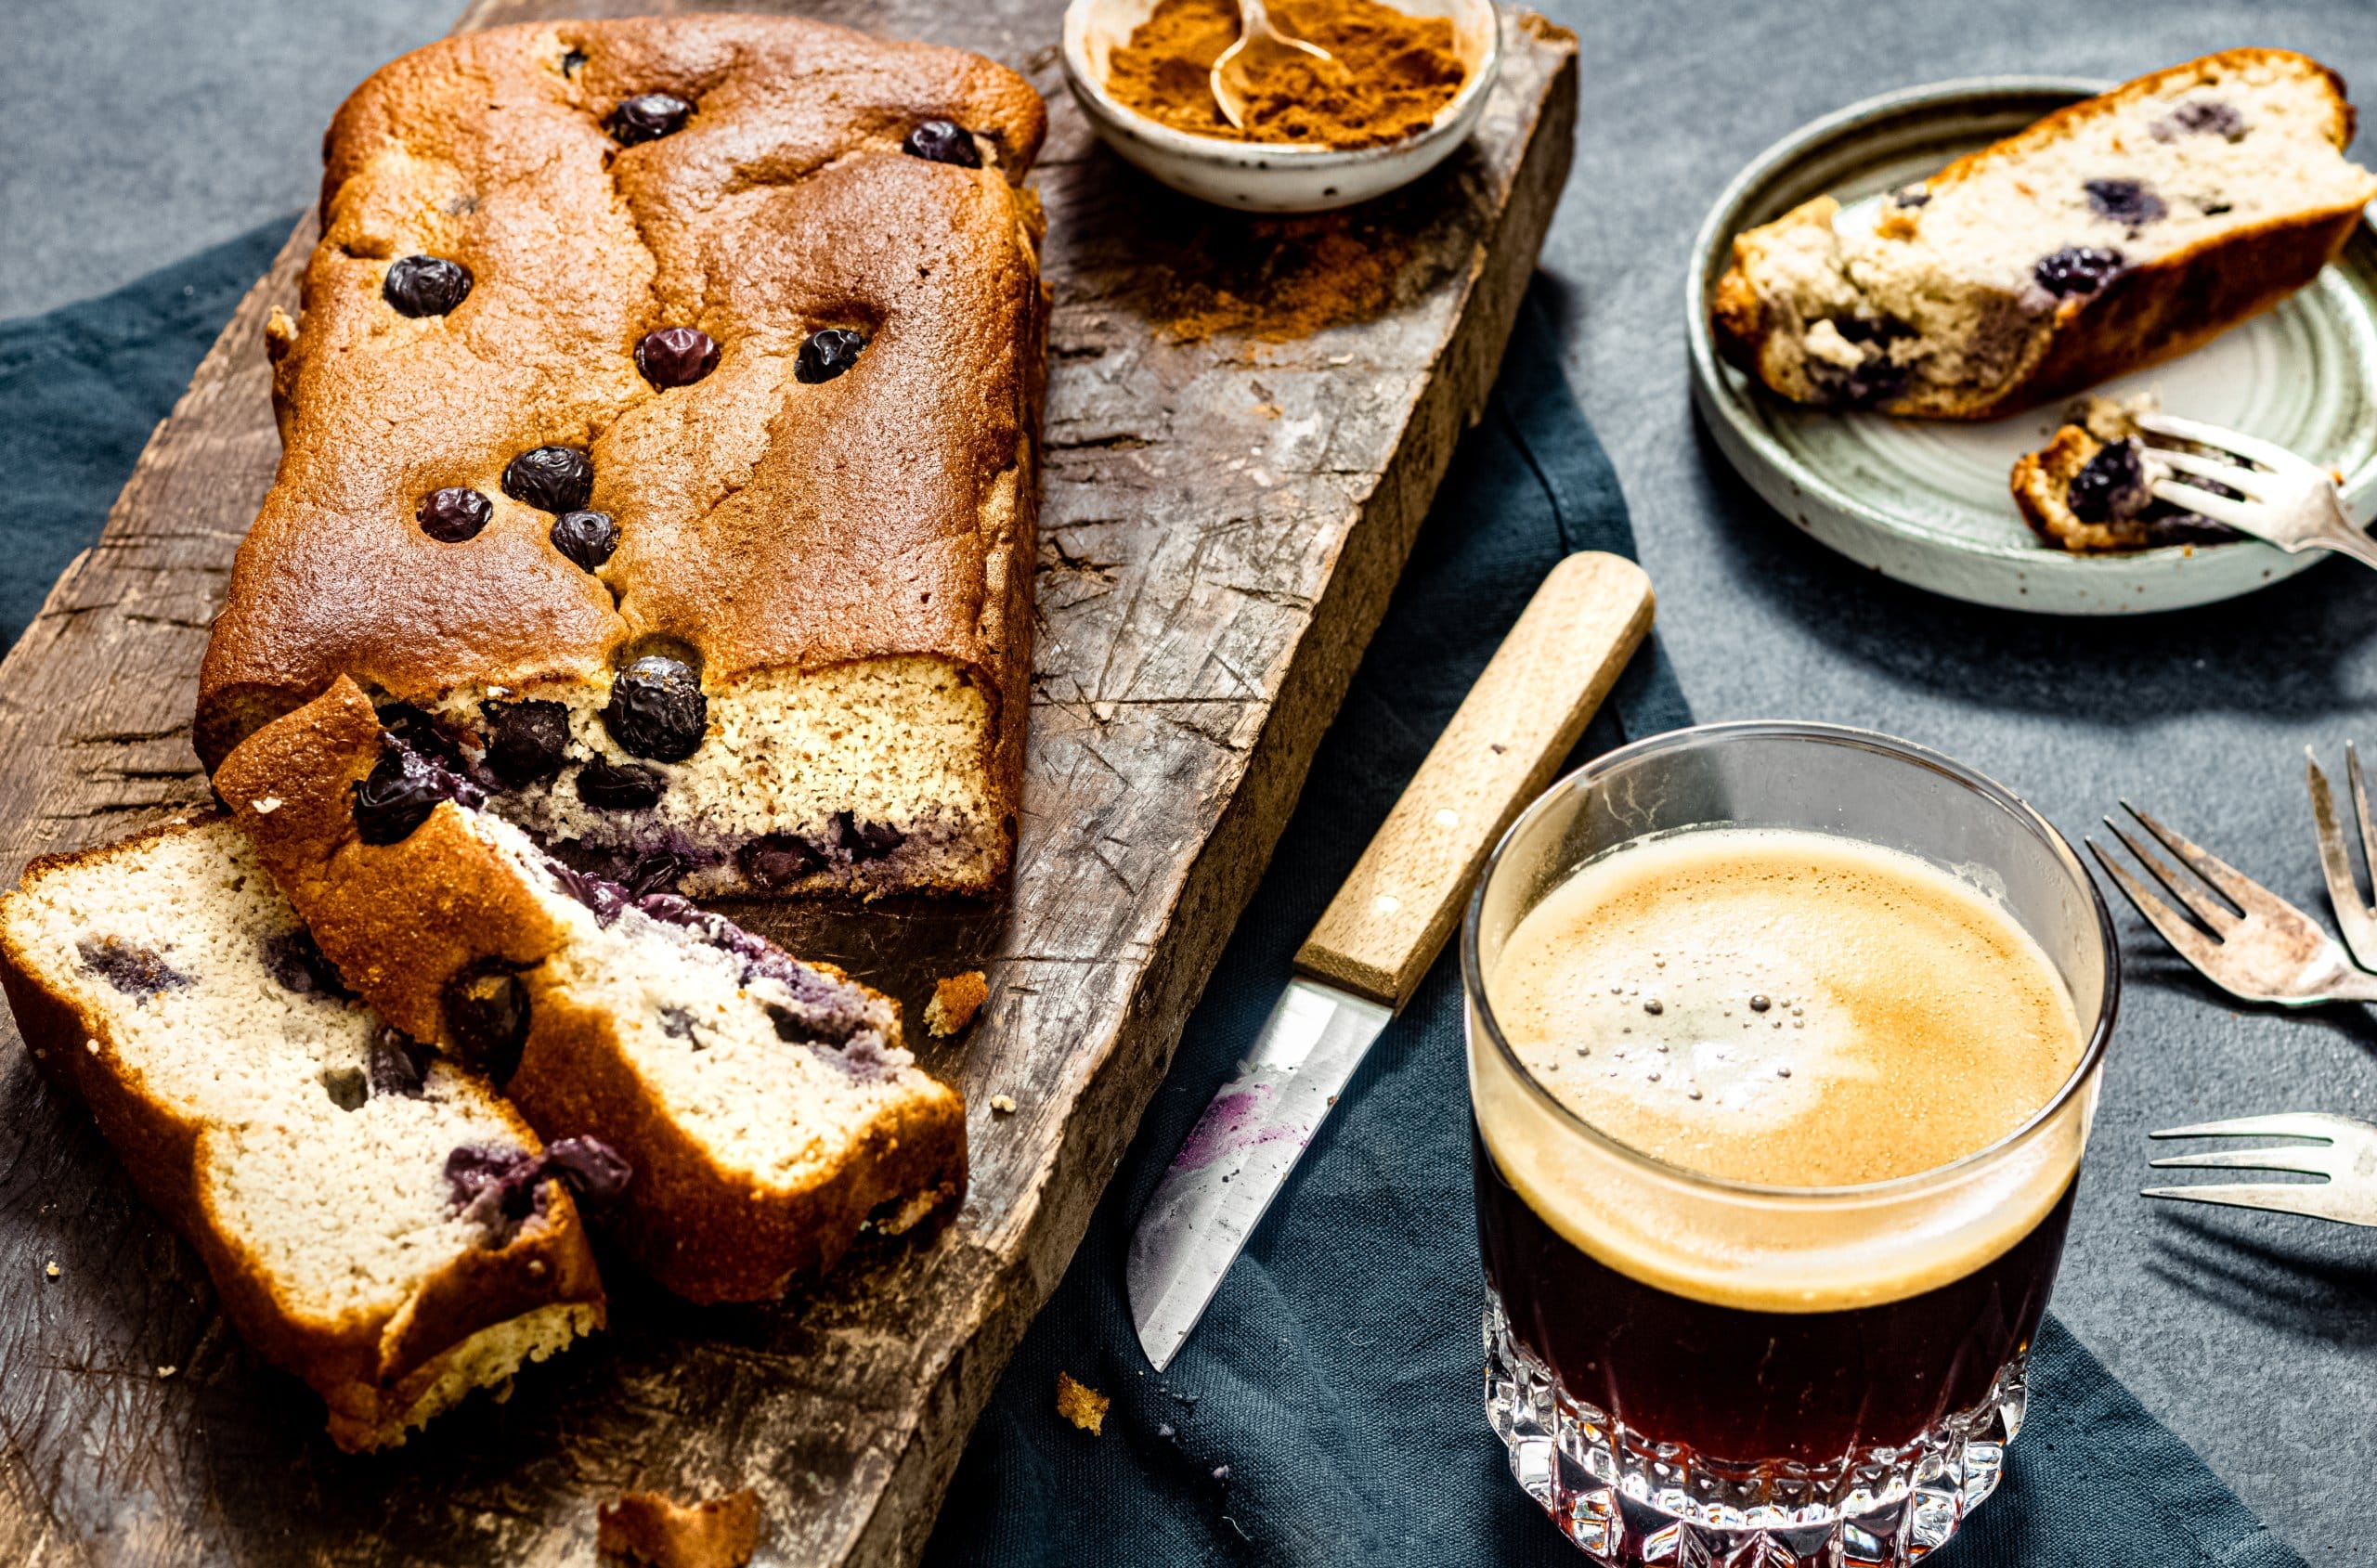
1784 1007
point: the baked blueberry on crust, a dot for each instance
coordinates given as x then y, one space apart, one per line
425 285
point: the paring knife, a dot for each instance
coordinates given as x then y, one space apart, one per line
1377 937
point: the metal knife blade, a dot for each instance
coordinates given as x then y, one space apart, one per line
1238 1155
1376 940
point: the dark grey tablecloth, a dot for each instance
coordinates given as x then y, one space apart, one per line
139 129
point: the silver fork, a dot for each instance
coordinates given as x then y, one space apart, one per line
2289 500
2259 947
2346 1154
2354 917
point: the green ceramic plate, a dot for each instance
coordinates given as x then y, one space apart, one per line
1926 501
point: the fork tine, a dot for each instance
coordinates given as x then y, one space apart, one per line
2185 940
2335 862
2243 891
2252 483
2270 454
2243 516
2309 1160
2317 1200
2206 908
2284 1124
2361 802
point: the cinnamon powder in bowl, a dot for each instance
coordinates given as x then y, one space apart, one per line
1415 78
1395 72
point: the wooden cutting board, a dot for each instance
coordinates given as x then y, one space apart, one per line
1246 421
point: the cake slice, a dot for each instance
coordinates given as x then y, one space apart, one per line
375 1219
766 1104
2122 231
661 424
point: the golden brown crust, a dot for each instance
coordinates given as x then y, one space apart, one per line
401 920
2143 315
371 1368
650 1528
768 524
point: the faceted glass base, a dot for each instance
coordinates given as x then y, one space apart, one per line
1628 1501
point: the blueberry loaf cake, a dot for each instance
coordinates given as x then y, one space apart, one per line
766 1106
375 1219
2116 232
660 426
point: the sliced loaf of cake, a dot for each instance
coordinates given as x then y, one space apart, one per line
375 1219
2116 232
765 1104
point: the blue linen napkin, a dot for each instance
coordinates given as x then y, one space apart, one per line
80 388
1328 1410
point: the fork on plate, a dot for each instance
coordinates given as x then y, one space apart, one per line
2284 500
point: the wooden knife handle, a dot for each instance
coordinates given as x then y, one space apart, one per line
1386 925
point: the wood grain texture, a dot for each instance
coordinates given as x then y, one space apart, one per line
1228 501
1530 704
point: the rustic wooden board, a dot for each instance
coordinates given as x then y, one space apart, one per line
1229 497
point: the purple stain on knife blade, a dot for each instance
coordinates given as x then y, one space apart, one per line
1232 1123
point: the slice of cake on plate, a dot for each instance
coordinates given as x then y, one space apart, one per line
766 1104
2122 231
374 1219
661 428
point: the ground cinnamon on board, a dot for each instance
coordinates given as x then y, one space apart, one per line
1398 71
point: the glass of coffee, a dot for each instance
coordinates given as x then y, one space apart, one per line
1784 1041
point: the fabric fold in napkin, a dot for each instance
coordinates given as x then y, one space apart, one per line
1328 1409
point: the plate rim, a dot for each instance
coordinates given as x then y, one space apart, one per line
1749 448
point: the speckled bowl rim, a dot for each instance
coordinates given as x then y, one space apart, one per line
1221 152
1712 249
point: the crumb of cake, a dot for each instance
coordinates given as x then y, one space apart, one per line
2089 489
167 1371
1081 1405
52 1269
955 999
1003 1103
650 1528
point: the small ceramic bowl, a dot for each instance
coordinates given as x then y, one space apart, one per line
1274 176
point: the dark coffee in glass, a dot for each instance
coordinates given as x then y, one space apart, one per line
1783 1045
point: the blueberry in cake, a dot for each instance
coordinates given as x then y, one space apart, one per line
677 381
766 1106
2087 490
2111 234
374 1218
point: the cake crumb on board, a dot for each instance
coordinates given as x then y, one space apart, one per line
1081 1405
955 999
650 1528
1003 1103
